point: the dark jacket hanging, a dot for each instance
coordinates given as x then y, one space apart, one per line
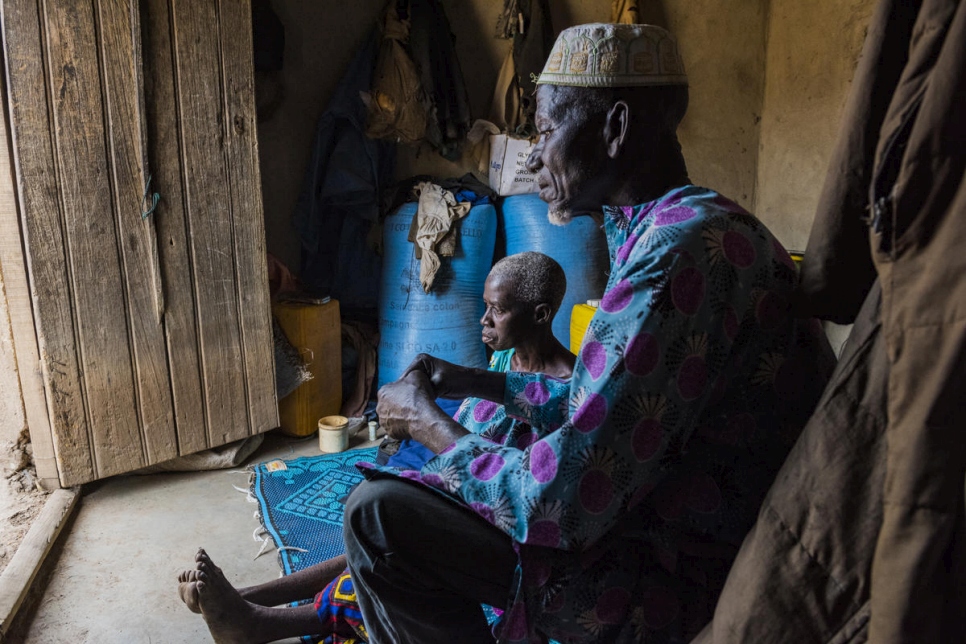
863 536
339 200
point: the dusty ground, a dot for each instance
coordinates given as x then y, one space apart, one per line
20 499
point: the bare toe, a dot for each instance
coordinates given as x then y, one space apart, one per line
204 562
188 590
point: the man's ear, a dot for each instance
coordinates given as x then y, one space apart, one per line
542 314
615 128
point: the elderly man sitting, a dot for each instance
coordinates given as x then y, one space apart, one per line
618 523
522 294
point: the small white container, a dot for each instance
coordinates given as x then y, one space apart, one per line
373 430
333 436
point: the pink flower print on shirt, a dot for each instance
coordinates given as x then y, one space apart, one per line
618 298
674 215
737 249
594 357
642 354
687 290
591 414
543 462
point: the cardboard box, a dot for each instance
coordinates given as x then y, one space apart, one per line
508 171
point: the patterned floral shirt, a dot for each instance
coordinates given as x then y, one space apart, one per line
691 385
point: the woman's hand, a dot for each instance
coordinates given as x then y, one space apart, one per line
456 382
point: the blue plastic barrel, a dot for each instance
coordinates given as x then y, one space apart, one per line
445 322
579 247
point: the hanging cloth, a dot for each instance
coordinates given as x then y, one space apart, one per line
438 211
396 105
433 50
506 112
528 23
625 11
339 199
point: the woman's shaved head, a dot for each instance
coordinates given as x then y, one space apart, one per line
533 278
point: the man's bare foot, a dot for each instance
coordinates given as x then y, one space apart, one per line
230 619
188 590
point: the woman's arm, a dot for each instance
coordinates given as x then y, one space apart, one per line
455 382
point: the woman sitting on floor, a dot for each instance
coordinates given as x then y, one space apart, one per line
522 294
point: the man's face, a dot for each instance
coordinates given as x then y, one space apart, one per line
568 159
505 321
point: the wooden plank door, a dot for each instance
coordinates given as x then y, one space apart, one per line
152 323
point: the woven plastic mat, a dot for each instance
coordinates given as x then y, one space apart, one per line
301 503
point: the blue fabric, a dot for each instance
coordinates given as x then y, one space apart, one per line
472 197
302 505
412 455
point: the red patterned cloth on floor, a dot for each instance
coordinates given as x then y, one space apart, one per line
339 611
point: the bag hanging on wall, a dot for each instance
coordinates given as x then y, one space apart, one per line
579 247
446 321
396 104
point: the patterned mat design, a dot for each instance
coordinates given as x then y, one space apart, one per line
301 504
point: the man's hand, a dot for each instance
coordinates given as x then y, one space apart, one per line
407 409
403 405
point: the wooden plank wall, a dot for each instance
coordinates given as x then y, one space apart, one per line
164 155
42 228
154 330
203 47
249 230
120 55
14 271
197 68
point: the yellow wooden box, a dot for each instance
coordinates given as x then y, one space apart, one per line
316 331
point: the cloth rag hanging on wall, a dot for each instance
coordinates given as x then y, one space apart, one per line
432 48
340 196
438 212
396 104
893 209
528 23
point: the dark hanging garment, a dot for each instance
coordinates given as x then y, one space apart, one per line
433 50
879 557
339 201
528 23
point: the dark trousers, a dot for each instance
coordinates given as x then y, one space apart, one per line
423 564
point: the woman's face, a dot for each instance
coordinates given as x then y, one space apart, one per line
506 322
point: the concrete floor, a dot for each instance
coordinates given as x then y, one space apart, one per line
116 579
